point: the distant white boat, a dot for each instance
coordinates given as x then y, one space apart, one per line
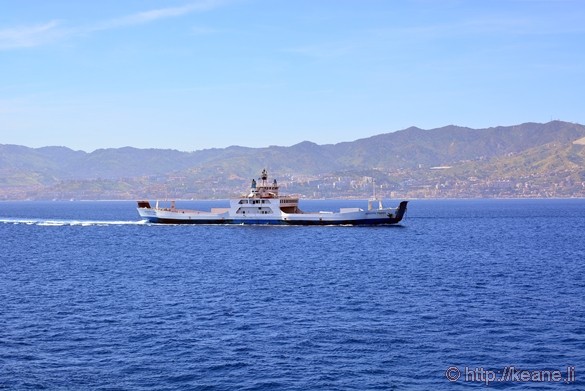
263 205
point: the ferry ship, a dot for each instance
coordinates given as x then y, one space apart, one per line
264 205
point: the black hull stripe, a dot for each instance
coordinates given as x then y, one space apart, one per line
386 221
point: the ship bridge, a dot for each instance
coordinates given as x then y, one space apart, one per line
264 189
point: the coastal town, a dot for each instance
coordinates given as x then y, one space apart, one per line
420 183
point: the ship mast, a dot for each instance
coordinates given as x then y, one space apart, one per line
373 199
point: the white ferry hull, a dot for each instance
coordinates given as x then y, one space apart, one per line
385 216
263 205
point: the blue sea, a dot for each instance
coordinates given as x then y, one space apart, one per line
91 298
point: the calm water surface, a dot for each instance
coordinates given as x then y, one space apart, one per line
92 298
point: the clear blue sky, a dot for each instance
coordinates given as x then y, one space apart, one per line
189 74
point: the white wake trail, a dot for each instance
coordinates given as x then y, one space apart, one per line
61 222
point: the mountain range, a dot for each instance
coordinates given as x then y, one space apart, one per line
526 160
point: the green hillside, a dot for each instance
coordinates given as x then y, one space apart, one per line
446 161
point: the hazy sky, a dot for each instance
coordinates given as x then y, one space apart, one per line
190 75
